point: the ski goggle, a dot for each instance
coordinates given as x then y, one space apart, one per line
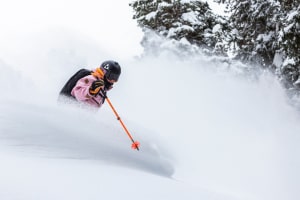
111 76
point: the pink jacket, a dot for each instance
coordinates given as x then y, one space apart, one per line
81 92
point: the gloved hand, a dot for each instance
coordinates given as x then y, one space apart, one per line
96 86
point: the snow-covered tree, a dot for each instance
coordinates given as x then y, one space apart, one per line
263 32
190 20
255 22
268 32
289 42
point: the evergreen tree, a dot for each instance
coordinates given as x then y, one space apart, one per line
268 32
264 32
177 19
255 25
289 42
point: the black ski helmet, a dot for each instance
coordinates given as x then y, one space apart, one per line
112 70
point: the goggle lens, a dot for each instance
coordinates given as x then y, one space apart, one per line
112 76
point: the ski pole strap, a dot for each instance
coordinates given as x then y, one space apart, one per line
102 93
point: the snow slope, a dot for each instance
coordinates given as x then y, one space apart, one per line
206 131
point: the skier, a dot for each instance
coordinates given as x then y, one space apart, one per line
90 87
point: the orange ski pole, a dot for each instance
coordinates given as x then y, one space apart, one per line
135 144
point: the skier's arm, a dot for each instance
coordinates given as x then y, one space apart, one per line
81 89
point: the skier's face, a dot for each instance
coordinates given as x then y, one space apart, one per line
111 81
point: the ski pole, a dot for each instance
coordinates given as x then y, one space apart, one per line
135 144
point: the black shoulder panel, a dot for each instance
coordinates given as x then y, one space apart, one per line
70 84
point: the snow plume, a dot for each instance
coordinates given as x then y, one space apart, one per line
231 129
207 130
154 44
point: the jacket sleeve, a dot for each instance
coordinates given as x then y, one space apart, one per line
81 89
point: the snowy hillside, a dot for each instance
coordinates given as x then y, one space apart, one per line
206 132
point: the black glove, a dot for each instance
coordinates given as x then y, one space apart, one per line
96 86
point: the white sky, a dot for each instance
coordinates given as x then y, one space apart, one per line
107 23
